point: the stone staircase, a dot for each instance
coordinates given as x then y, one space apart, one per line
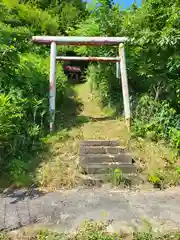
99 159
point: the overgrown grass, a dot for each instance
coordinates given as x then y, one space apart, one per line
158 124
23 169
85 119
158 162
92 231
59 165
82 117
24 74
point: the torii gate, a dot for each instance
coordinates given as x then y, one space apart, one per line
90 41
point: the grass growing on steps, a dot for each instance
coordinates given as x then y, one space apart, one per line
59 168
87 120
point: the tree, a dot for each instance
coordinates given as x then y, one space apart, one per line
69 12
106 3
24 83
154 59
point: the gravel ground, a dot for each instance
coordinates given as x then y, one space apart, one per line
66 210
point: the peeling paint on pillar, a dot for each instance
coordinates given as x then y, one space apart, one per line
125 89
52 86
118 75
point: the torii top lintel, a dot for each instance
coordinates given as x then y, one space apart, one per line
61 40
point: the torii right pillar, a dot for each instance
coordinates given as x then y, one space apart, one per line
125 90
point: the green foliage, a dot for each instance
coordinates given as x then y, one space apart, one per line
67 14
151 236
156 180
178 169
94 231
11 122
24 74
4 237
44 234
105 20
144 236
102 80
117 177
152 60
24 103
91 230
37 20
157 120
19 171
153 57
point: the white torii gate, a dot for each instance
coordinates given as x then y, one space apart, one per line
90 41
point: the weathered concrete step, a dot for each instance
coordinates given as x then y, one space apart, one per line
95 168
93 180
106 158
99 143
98 179
101 150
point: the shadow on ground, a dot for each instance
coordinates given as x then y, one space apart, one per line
101 119
23 172
68 115
19 195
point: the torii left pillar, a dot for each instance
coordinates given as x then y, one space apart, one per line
52 87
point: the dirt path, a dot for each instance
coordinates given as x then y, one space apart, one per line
102 124
65 210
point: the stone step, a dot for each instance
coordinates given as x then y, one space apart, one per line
102 168
99 143
106 158
93 180
99 179
101 150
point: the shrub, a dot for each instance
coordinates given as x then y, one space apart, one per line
153 61
157 120
17 133
24 83
102 80
24 103
30 16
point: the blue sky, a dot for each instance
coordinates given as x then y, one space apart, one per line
124 3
